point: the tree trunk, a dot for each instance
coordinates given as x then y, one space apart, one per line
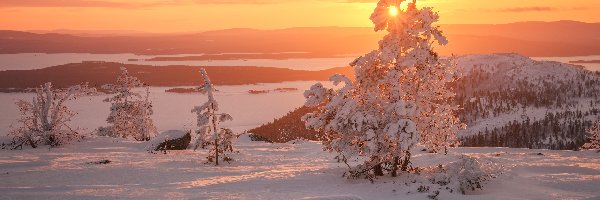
378 170
446 145
216 134
405 162
395 166
216 152
31 142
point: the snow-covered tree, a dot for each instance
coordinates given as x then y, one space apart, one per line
593 137
130 115
219 140
44 119
399 96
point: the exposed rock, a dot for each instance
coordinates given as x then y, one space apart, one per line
100 162
175 144
170 140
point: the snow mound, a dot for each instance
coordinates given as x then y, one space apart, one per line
245 138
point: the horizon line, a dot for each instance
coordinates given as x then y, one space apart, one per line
141 32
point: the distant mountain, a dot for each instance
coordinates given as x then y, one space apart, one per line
507 100
96 33
318 41
562 38
100 73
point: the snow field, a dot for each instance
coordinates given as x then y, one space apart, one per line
275 171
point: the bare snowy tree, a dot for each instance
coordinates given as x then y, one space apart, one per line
44 119
400 96
130 115
219 140
593 137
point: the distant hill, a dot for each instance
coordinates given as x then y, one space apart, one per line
512 101
287 128
507 100
320 41
100 73
562 38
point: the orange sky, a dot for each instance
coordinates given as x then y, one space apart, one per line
198 15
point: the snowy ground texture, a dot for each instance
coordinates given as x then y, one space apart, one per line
272 171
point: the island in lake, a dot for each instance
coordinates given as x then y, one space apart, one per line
97 74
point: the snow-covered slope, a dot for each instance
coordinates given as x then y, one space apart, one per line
511 100
516 67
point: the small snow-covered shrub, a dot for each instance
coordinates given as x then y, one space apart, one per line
593 137
463 175
434 195
130 115
44 119
219 140
423 189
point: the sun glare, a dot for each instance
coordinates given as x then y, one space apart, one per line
393 10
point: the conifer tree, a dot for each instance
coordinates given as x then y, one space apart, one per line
399 96
593 137
130 115
219 140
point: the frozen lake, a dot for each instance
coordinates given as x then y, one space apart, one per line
172 110
26 61
589 66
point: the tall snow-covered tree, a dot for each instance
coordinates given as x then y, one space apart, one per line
44 119
130 115
399 96
219 140
593 137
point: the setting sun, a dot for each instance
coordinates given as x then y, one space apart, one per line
393 10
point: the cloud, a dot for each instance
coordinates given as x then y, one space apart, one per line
527 9
76 3
135 4
537 9
360 1
367 1
238 1
123 3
